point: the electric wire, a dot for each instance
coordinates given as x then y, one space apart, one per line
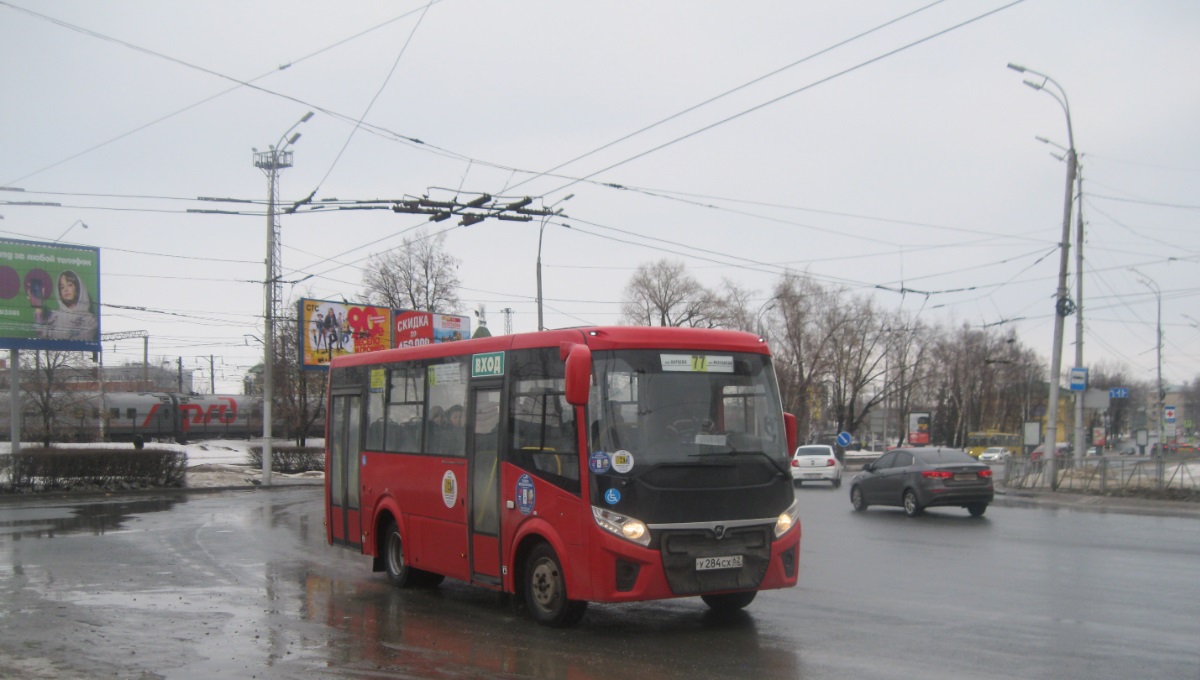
787 95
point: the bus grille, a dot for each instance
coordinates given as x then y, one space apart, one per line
681 548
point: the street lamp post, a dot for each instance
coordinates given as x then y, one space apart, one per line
762 311
1162 433
64 234
1079 430
272 162
541 230
1062 305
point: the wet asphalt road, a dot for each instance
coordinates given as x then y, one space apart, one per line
240 584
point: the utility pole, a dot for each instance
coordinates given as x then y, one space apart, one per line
508 314
271 162
14 403
1063 306
1080 439
124 335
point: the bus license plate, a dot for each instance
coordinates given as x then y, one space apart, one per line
710 563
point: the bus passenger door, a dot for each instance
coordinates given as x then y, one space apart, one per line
344 513
484 465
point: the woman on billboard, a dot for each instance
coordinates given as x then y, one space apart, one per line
74 319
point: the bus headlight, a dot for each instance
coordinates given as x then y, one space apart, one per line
789 519
627 528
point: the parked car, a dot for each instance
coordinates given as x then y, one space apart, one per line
920 478
1061 450
995 454
816 463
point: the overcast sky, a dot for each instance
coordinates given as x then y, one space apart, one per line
878 146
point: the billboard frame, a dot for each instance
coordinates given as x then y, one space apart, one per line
33 272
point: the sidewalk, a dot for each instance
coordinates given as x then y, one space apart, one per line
229 476
1097 503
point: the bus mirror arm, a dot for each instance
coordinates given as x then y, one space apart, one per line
789 426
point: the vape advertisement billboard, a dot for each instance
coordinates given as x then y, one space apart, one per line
411 329
332 329
918 428
49 296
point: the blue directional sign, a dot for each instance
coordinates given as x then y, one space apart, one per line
1118 393
843 439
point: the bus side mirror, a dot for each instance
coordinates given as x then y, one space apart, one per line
789 424
578 373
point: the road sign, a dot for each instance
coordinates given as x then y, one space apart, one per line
1118 393
1078 379
843 439
1169 414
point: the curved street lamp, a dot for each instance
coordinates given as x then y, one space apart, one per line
1063 305
64 234
542 229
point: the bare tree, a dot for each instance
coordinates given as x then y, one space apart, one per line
664 294
46 375
803 328
857 362
906 372
300 394
419 275
1107 375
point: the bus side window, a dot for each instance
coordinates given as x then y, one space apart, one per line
448 391
543 437
405 409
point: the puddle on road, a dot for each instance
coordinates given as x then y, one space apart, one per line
50 521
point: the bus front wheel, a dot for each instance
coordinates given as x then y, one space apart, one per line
546 590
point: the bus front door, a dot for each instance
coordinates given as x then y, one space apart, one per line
484 463
344 511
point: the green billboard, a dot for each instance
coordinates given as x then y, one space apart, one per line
49 296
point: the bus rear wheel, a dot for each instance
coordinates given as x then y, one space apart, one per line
546 590
398 571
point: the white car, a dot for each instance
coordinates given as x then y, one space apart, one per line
995 454
816 463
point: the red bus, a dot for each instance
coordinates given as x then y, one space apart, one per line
610 464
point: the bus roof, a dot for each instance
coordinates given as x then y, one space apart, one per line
596 337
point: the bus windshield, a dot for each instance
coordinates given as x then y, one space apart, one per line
680 408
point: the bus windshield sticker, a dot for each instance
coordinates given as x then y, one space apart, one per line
598 463
612 496
378 379
622 461
526 498
444 374
487 365
449 489
697 363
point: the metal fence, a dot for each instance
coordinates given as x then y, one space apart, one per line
1173 474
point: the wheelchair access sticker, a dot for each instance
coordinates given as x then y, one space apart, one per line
612 496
